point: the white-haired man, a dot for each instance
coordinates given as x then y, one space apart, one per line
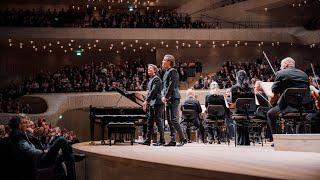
287 77
191 103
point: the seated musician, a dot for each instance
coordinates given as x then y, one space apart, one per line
241 89
287 77
314 118
213 98
191 103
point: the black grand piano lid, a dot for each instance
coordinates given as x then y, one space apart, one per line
136 97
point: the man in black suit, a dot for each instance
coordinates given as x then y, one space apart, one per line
171 97
287 77
155 105
191 103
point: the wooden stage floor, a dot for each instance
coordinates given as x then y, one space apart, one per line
255 161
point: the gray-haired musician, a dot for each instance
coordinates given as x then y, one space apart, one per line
287 77
171 97
155 105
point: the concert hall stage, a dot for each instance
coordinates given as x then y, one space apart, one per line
194 161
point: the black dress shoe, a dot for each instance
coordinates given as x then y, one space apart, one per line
183 142
171 143
146 142
159 144
78 157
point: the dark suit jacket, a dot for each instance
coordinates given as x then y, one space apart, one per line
154 91
193 103
171 84
289 78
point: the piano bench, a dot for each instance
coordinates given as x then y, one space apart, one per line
123 129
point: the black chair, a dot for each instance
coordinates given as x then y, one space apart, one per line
258 125
245 111
298 104
216 120
189 116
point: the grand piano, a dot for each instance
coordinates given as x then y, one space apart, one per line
104 115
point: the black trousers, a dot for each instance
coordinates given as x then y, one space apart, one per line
52 156
172 116
186 126
272 117
155 115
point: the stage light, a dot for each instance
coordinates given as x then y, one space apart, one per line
137 41
50 44
60 117
99 50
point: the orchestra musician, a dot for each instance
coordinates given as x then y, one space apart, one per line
154 106
213 98
192 103
287 77
241 89
171 97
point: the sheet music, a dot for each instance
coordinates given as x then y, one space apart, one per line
266 86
